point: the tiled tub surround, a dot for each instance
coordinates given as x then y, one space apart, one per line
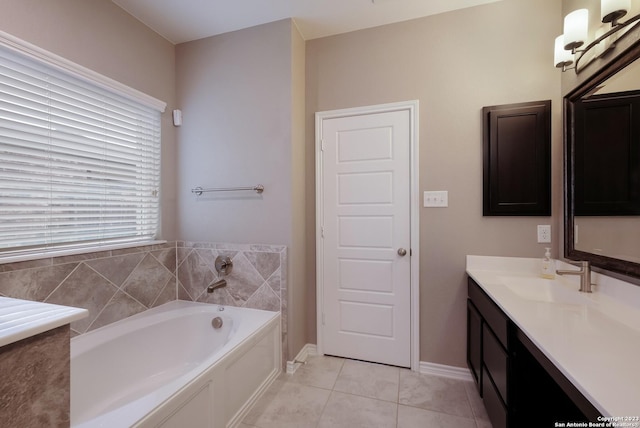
116 284
112 285
258 279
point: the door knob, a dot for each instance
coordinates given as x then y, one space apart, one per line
402 252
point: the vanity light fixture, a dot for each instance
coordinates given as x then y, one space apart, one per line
562 58
612 10
576 30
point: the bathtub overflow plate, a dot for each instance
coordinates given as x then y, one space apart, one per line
217 322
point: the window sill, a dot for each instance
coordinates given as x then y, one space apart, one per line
74 251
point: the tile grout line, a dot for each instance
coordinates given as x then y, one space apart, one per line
324 408
61 282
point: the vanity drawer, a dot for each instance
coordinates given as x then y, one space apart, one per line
491 313
493 403
496 361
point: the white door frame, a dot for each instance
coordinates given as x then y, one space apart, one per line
412 107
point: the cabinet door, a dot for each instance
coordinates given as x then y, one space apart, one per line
517 159
474 344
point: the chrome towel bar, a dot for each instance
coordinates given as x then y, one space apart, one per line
199 190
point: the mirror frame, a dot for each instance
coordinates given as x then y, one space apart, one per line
626 268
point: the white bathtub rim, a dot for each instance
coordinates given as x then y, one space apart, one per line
169 310
134 411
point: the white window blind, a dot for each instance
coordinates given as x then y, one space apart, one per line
79 163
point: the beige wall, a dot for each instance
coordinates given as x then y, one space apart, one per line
242 97
454 64
235 94
99 35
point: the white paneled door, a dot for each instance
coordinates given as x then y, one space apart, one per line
365 236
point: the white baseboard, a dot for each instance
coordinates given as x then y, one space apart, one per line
301 358
459 373
452 372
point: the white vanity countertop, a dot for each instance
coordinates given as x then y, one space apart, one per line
593 339
20 319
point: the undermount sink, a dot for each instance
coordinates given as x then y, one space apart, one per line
541 290
571 301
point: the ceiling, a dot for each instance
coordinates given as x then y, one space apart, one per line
184 20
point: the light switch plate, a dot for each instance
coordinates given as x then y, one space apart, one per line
437 198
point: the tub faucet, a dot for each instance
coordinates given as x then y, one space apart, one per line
218 284
584 272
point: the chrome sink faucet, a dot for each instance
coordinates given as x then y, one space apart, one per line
584 272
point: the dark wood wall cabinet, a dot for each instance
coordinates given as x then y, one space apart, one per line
519 385
607 154
517 159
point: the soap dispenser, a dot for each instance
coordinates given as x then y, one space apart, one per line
548 270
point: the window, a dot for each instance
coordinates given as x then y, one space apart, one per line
79 157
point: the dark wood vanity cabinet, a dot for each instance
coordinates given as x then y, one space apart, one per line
487 353
519 385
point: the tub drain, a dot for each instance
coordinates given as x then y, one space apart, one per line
216 322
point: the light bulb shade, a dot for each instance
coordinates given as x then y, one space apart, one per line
576 28
561 56
612 10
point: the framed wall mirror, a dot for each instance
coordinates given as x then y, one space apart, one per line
602 167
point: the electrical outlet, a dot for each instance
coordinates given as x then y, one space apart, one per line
544 233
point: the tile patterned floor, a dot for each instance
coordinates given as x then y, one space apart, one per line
329 392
